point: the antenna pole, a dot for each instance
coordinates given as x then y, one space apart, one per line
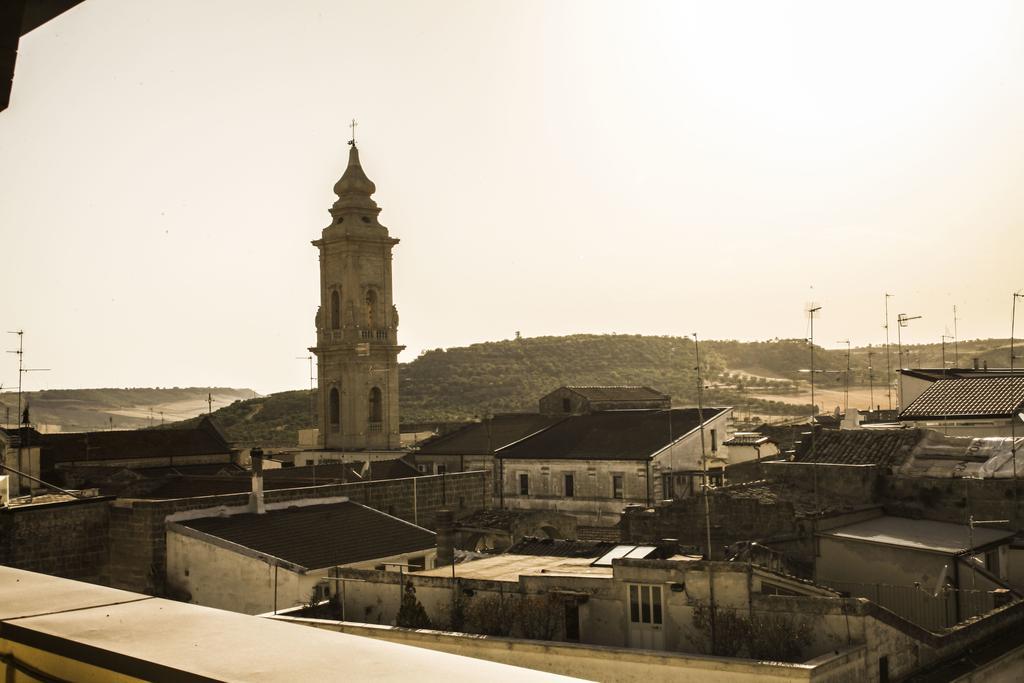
956 347
1013 418
888 355
846 391
871 379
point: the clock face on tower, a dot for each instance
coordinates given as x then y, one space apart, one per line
357 346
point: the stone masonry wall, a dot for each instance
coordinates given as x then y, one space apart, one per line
138 541
732 519
67 539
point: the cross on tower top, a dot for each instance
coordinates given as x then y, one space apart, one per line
353 127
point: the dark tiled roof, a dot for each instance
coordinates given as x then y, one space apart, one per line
610 435
968 397
550 547
319 536
885 447
622 393
474 438
205 439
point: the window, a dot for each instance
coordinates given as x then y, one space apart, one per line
566 405
376 407
668 488
715 477
714 440
572 621
335 310
441 469
524 484
569 484
417 564
645 604
617 486
334 410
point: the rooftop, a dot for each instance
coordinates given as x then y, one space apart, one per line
618 393
920 534
205 439
746 439
610 435
134 636
550 547
509 567
486 437
318 536
884 447
968 397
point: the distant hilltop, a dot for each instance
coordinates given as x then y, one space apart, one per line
76 410
465 383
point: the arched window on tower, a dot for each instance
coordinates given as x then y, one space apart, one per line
371 307
335 310
334 409
376 405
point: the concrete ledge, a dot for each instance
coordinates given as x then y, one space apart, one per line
603 663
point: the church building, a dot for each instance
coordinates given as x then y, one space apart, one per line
357 323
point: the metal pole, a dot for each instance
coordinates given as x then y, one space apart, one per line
1013 417
707 487
888 355
871 379
846 390
956 347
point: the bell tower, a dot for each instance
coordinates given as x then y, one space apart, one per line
357 323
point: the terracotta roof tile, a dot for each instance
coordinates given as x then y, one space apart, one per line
968 397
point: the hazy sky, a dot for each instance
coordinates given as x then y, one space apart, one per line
550 167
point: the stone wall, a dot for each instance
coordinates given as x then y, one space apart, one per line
732 519
954 500
138 544
67 539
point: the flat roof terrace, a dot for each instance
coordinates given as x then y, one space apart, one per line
63 629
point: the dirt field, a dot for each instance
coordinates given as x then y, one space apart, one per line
829 398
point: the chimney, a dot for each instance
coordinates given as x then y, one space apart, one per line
985 365
256 497
975 361
445 539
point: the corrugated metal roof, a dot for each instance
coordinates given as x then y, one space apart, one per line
920 534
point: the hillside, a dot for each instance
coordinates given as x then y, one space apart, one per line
93 409
443 385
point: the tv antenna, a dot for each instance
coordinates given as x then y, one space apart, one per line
21 365
888 355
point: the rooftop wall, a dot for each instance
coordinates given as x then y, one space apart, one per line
138 541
